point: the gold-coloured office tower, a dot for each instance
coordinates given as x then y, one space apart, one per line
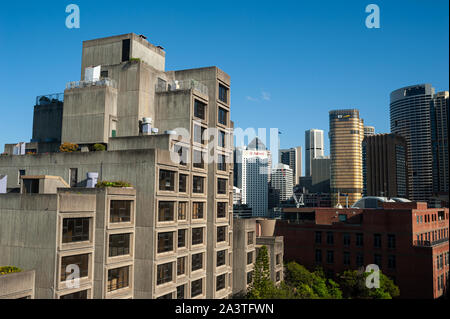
346 135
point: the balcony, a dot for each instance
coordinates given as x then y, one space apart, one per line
428 243
84 84
182 85
50 99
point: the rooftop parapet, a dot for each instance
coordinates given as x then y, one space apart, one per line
83 84
182 85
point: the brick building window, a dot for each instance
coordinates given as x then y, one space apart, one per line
346 239
392 262
391 241
359 259
359 239
318 237
377 240
330 238
346 258
330 256
377 260
318 256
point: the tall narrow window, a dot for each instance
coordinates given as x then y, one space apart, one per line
199 109
223 116
73 172
223 93
126 50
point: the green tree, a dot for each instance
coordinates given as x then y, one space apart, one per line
353 285
261 287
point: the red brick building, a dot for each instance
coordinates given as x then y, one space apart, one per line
408 241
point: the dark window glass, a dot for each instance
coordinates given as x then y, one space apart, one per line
346 258
330 238
278 276
76 295
377 260
391 262
249 277
221 186
197 210
221 141
221 233
199 134
377 240
168 296
126 50
250 236
118 278
199 109
220 282
359 259
75 230
223 116
165 242
180 291
31 186
249 258
181 266
120 211
197 184
183 183
221 209
346 240
73 177
119 245
182 210
183 154
166 180
181 238
166 211
221 163
359 239
199 161
330 256
196 288
197 261
391 241
318 237
318 256
82 261
197 236
164 273
221 255
223 93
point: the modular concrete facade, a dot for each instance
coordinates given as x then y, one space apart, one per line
19 285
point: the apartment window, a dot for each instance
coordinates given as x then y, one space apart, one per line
181 266
318 256
359 259
250 237
346 258
31 186
377 260
199 134
166 180
330 238
126 50
249 277
330 256
221 186
278 259
377 240
221 257
197 184
197 210
197 261
182 185
220 282
318 237
75 230
167 296
199 109
119 244
196 288
278 276
181 291
221 233
223 116
222 209
199 159
346 239
391 241
166 211
76 295
197 236
120 211
221 163
223 93
181 238
73 178
164 273
21 173
165 242
82 261
182 210
359 239
249 258
221 141
391 262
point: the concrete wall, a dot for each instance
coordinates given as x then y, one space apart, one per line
17 285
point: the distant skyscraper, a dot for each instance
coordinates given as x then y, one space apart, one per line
410 118
386 165
369 130
320 170
346 135
255 173
282 181
293 158
237 173
313 147
439 113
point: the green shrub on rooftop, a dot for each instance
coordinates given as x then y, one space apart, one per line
99 147
9 269
102 184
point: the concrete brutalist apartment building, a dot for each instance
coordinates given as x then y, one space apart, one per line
154 124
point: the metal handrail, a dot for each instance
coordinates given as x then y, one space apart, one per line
182 85
83 84
428 243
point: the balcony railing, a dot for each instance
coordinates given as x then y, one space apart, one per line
49 99
182 85
84 84
428 243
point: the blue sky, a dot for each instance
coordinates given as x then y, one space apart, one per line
290 61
